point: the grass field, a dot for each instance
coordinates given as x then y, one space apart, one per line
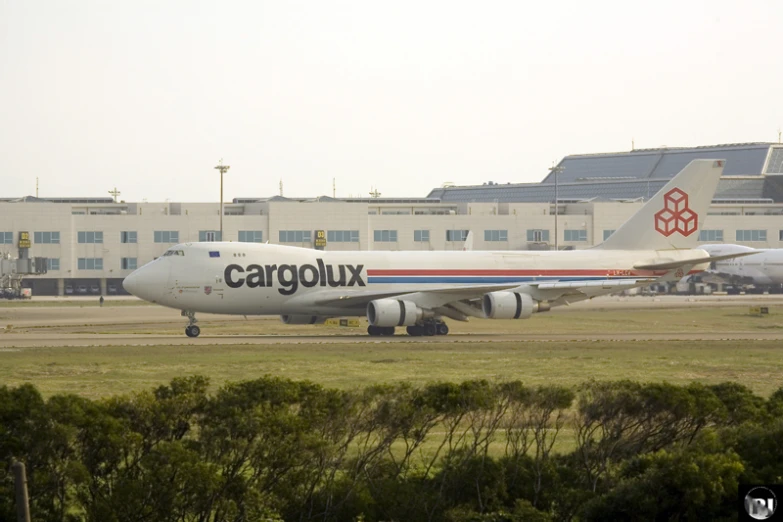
100 371
104 370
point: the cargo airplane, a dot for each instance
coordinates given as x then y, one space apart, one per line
420 289
760 267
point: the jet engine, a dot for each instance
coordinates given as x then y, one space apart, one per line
511 305
302 319
393 312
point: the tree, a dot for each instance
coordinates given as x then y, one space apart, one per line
698 482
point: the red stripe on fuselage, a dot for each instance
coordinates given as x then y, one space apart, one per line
505 272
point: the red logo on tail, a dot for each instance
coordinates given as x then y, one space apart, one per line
676 216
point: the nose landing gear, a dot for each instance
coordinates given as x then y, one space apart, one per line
191 330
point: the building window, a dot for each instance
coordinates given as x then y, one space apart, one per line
496 235
421 236
385 236
456 235
209 235
127 237
751 235
52 263
90 237
711 235
128 263
342 236
90 263
295 236
251 236
538 236
166 236
47 238
6 238
608 233
575 235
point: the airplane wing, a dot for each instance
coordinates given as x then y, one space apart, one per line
571 291
460 302
668 265
439 295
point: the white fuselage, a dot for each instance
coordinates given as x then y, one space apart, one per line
764 268
263 279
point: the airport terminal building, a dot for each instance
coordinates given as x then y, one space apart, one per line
93 243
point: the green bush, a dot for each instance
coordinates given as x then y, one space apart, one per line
275 449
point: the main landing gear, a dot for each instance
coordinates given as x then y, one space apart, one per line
429 328
191 330
380 330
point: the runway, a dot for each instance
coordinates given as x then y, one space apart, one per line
84 324
11 341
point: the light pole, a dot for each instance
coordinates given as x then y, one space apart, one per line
556 171
222 168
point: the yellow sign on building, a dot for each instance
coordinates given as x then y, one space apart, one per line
24 240
320 239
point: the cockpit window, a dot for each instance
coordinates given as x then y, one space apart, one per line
174 253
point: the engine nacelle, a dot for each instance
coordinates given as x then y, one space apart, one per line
393 312
302 319
511 305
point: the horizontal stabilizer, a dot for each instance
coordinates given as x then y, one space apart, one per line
685 262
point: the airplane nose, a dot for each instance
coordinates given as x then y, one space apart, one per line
148 282
131 283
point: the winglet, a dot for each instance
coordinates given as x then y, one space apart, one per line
468 245
672 218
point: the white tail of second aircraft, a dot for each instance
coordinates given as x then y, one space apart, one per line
673 217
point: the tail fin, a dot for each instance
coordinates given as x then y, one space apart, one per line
672 218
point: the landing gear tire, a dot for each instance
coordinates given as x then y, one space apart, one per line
414 331
380 330
192 330
430 330
442 329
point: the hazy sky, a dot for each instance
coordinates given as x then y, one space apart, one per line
148 95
